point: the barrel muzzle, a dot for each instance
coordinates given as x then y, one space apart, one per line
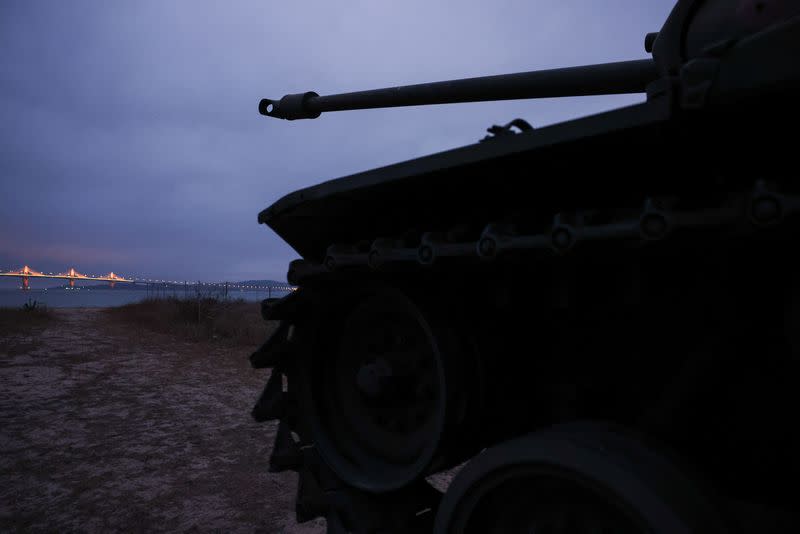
290 107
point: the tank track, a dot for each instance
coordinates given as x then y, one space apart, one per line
320 493
661 225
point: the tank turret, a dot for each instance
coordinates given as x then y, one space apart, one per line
695 33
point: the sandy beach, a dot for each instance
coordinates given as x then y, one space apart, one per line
105 427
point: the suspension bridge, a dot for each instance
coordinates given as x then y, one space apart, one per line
26 273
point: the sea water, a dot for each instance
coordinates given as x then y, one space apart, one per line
102 298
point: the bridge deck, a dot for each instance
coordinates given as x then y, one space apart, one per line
65 277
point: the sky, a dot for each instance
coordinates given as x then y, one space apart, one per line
130 139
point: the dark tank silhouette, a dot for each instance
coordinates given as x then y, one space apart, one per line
600 317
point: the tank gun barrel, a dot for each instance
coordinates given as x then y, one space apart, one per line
605 78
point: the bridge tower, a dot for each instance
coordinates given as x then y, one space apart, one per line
25 280
72 275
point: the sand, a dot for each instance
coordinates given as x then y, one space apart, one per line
104 428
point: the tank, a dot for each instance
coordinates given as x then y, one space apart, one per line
585 327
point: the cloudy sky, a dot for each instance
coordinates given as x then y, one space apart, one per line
130 138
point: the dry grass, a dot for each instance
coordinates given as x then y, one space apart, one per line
23 320
235 322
